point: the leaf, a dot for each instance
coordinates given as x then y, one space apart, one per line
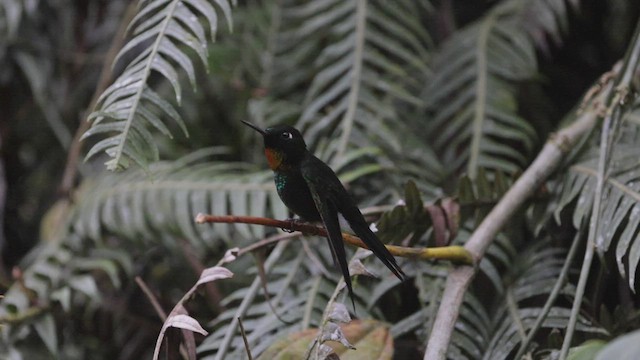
163 29
371 339
475 120
133 206
339 313
587 351
620 214
408 218
533 273
213 274
182 321
625 347
46 329
371 60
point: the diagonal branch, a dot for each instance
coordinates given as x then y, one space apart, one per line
459 279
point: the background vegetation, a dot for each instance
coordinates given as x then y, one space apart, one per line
456 96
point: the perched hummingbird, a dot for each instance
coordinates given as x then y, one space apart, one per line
309 188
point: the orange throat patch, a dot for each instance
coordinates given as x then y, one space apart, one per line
274 158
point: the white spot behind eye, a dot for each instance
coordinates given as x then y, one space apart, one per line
287 135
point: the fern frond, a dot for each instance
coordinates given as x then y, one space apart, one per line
620 216
471 94
124 111
360 72
372 58
10 16
547 21
57 274
533 275
299 293
136 207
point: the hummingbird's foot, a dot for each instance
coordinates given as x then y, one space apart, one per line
292 223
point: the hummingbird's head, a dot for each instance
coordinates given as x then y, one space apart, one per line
283 145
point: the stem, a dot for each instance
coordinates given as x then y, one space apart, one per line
244 339
594 225
480 103
456 254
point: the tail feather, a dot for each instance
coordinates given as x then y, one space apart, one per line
377 247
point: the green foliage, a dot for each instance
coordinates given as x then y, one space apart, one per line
409 218
472 95
141 208
413 100
59 276
619 220
129 105
623 348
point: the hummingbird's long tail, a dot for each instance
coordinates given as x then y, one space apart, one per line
377 247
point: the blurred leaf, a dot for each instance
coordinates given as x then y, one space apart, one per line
587 351
370 338
625 347
213 274
46 329
182 321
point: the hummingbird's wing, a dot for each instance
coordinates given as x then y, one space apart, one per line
320 175
329 214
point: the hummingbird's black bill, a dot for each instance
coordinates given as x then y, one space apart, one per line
253 127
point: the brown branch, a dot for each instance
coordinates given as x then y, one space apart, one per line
456 254
244 338
152 299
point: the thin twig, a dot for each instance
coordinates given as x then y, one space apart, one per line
156 306
262 275
244 338
211 288
557 288
594 224
456 254
152 299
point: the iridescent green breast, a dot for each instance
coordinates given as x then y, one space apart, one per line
281 182
294 192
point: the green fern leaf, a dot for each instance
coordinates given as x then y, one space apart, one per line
471 94
135 207
165 29
620 216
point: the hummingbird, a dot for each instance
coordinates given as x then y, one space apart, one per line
310 189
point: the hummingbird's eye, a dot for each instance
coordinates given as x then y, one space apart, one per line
287 135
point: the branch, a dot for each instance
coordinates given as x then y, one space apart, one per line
457 254
459 279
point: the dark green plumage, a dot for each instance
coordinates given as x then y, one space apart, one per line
311 189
